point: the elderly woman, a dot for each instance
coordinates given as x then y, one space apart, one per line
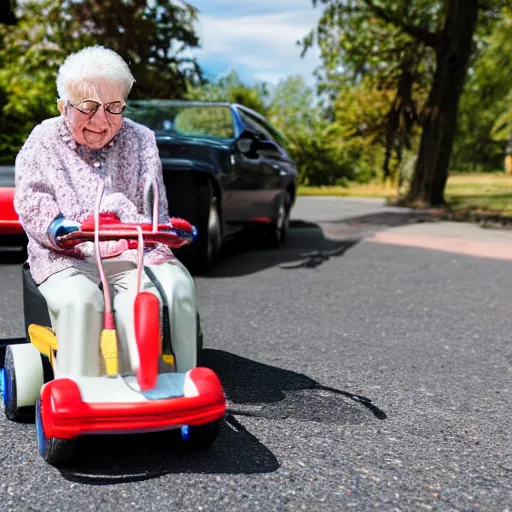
58 171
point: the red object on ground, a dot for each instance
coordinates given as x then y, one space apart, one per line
9 221
146 310
65 415
260 220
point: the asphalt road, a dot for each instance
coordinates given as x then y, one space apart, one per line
360 376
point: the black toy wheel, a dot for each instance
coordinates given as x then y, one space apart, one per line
199 341
9 393
201 436
54 451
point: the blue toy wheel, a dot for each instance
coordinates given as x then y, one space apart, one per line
53 450
2 383
185 432
201 436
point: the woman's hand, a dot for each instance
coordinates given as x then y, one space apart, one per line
158 255
60 226
113 248
118 203
108 249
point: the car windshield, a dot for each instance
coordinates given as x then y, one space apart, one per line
202 121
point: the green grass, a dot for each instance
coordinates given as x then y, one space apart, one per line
486 193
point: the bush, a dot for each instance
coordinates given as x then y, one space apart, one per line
318 160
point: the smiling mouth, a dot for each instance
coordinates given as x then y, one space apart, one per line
96 133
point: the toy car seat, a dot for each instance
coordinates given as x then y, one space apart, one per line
34 304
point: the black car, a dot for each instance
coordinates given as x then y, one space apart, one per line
225 168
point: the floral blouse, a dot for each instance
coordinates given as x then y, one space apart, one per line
55 176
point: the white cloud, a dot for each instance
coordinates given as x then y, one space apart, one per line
228 8
281 31
264 45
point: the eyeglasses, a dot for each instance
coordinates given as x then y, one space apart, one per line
90 107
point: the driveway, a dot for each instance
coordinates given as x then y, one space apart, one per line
361 374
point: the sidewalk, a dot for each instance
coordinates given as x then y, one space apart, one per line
369 219
455 237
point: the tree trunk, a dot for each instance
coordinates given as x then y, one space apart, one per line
439 118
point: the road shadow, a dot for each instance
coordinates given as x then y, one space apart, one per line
12 256
107 460
253 389
308 244
260 390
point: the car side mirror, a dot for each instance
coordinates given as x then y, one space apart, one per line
245 142
244 145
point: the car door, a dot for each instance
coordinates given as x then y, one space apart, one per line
258 175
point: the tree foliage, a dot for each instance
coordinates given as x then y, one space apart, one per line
230 88
48 30
485 103
360 49
407 45
310 137
152 36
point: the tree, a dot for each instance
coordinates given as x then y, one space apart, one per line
358 48
481 141
48 30
446 28
310 138
152 36
230 88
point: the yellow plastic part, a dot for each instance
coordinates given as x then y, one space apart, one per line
108 345
44 339
168 358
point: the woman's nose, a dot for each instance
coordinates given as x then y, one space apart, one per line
100 117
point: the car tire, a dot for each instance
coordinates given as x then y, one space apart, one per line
206 248
53 450
201 436
275 234
23 377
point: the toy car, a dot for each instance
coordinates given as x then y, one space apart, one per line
143 400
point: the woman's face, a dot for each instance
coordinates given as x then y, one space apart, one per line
94 130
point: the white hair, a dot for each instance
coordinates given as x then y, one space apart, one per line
80 69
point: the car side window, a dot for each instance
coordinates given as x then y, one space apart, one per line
249 122
263 130
270 134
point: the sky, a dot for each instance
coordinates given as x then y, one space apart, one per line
257 38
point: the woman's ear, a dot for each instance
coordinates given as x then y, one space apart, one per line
61 106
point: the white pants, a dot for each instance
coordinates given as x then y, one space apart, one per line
76 306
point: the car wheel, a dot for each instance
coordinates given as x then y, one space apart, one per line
276 232
53 450
201 436
209 241
214 233
23 377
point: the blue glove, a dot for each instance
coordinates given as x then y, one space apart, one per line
60 227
